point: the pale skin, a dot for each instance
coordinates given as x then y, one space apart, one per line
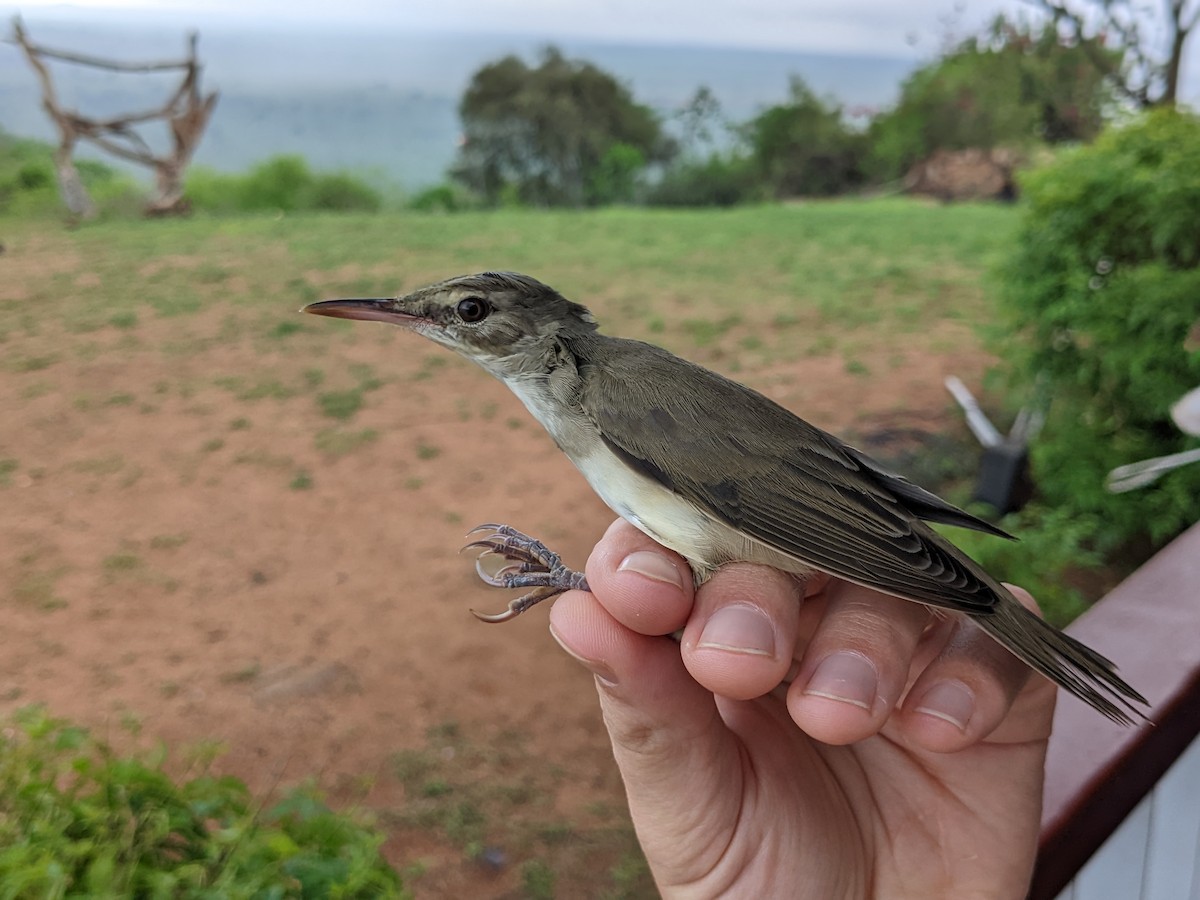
909 767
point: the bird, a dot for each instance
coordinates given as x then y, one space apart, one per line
716 471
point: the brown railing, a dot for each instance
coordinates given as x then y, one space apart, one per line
1097 772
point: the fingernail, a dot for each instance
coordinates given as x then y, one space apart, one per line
950 701
654 566
847 677
599 669
740 629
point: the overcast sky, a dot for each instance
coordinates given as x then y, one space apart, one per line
876 27
913 29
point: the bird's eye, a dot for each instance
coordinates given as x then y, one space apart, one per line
472 309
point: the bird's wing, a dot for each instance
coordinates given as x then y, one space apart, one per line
774 477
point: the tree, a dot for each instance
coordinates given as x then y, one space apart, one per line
702 124
563 133
804 148
1148 74
1011 86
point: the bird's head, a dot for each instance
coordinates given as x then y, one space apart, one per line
508 323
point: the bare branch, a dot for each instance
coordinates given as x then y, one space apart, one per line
115 149
98 63
186 114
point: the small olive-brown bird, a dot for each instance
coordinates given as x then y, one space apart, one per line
717 472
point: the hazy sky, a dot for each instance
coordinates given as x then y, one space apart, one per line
883 27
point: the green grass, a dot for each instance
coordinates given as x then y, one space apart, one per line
871 266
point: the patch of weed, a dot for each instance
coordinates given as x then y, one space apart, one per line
339 442
340 404
168 541
39 589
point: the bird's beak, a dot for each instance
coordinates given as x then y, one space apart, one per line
378 310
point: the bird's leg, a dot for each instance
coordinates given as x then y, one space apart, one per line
530 564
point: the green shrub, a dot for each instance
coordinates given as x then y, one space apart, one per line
615 177
29 185
1100 293
717 181
445 197
804 148
339 191
283 183
78 820
1012 86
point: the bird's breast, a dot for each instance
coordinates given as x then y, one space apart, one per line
701 538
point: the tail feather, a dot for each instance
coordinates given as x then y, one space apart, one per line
1070 664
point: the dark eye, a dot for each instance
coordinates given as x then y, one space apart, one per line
472 309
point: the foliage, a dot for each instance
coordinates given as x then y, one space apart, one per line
563 133
720 180
615 177
703 128
1148 75
804 148
78 820
1009 87
1101 292
283 183
29 185
444 197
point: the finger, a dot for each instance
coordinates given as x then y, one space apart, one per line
641 584
668 739
856 665
738 642
969 689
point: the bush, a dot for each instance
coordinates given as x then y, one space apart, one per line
29 185
717 181
444 197
1013 86
804 148
78 820
284 183
1101 293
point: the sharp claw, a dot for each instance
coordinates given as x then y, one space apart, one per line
486 576
506 616
485 527
489 547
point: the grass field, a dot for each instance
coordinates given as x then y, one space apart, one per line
235 522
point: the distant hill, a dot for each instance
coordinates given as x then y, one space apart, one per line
386 103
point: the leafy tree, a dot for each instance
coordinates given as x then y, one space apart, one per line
804 148
701 124
1011 86
563 133
1151 45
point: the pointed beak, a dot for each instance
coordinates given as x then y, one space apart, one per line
376 310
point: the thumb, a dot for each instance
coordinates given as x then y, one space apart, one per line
669 740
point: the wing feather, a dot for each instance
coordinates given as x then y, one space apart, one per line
778 479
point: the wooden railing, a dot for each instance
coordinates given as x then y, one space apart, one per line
1098 773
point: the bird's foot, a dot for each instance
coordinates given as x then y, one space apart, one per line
529 564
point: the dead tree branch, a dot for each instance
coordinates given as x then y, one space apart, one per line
186 114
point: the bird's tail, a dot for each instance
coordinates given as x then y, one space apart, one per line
1073 666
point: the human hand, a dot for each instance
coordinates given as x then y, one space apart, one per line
829 787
